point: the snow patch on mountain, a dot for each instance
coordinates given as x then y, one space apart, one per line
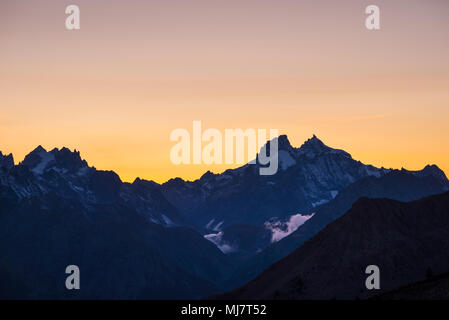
167 220
280 229
46 157
372 171
217 239
216 228
285 159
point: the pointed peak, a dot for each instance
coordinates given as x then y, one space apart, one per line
283 143
314 146
39 159
283 137
38 149
315 142
145 183
6 161
174 182
137 180
207 175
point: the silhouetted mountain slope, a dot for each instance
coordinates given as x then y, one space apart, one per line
403 239
121 255
400 185
433 288
56 211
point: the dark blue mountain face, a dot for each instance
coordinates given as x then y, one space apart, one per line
6 162
127 239
307 176
118 258
400 185
145 240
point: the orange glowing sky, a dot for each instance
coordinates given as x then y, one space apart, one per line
139 69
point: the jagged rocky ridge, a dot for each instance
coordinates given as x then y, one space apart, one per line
307 177
127 239
53 202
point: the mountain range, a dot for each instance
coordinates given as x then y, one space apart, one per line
179 239
127 239
307 177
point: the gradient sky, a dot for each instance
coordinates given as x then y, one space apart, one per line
139 69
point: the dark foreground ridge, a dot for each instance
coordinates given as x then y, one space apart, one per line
403 239
433 288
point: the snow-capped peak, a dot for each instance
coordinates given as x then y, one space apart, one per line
283 143
37 160
40 159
